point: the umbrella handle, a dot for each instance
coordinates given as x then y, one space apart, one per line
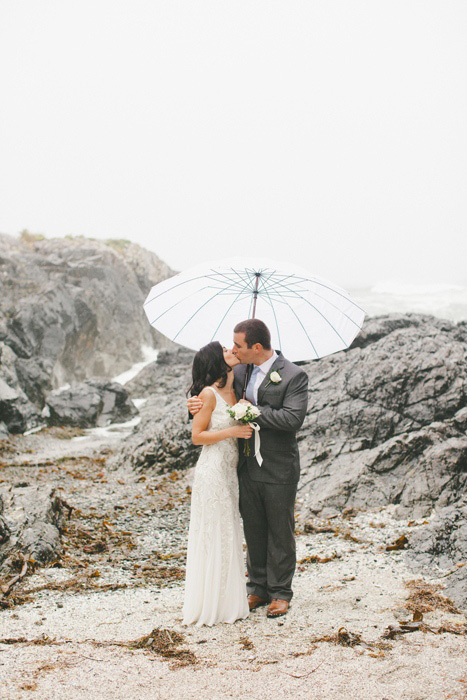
249 369
248 372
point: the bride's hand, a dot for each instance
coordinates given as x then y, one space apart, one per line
194 404
242 431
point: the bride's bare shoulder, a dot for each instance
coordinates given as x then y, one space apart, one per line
207 396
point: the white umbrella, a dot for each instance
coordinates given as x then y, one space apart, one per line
308 317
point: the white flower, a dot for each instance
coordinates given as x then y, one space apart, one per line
254 411
240 410
275 377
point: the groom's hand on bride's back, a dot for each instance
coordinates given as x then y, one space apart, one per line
194 404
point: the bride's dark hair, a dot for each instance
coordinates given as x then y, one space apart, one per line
209 366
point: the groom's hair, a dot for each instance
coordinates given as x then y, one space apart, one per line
256 331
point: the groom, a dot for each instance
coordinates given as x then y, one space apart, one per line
267 492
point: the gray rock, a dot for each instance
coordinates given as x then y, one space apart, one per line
31 519
162 377
95 402
162 439
17 412
70 309
415 470
387 424
381 326
444 543
385 421
4 529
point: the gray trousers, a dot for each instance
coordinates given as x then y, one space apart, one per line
268 521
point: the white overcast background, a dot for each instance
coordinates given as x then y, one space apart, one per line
327 133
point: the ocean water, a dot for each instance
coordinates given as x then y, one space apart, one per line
447 301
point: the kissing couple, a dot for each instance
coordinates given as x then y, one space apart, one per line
229 482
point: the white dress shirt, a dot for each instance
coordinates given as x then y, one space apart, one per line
257 378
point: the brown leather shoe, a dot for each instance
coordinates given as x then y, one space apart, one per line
254 601
278 607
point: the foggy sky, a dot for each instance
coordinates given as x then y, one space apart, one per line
329 134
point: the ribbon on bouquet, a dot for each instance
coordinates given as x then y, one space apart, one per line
258 457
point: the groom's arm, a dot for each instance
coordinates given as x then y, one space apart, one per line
292 413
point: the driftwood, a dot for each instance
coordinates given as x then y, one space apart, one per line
34 518
8 586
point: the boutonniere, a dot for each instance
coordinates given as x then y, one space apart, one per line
274 378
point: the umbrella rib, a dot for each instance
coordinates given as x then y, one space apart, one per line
180 301
229 279
341 311
180 284
193 315
170 289
242 279
324 317
278 280
275 317
328 322
321 284
224 316
304 329
227 276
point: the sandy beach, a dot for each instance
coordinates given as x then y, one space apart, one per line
105 620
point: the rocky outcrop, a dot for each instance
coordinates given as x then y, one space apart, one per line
443 542
385 421
169 375
70 309
386 424
31 519
163 440
163 436
95 402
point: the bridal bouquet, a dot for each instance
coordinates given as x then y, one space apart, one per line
245 413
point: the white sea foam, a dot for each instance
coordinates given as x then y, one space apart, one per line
116 430
407 289
149 355
442 300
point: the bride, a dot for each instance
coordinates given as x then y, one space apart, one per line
215 587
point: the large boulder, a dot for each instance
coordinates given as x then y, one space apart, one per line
95 402
17 412
385 421
31 520
162 439
443 542
70 309
167 377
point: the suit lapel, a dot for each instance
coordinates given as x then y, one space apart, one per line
276 366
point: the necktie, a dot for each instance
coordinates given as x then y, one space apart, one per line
250 390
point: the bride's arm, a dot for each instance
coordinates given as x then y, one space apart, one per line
199 433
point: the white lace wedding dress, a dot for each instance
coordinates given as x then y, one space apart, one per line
215 588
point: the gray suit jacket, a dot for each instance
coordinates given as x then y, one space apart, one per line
283 408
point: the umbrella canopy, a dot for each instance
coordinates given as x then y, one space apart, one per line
308 317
